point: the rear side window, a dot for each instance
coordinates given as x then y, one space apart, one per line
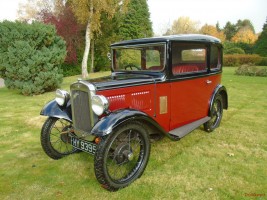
194 55
215 58
188 58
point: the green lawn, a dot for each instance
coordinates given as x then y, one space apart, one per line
229 163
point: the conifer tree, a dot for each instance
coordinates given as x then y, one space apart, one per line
261 43
31 56
136 22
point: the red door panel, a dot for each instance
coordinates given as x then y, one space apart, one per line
163 105
190 99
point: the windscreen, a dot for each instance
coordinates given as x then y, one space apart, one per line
139 57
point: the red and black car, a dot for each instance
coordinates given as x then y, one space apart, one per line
165 86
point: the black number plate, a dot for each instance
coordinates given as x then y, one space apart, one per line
83 145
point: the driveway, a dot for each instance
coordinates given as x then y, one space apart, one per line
2 84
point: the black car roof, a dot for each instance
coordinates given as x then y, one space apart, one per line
181 37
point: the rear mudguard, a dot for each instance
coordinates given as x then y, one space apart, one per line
220 89
108 123
52 109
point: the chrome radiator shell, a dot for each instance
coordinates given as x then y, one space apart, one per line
83 117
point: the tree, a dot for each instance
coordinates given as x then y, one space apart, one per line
136 21
31 10
229 30
88 12
108 35
218 27
67 27
31 56
246 23
244 35
183 25
212 30
58 13
261 43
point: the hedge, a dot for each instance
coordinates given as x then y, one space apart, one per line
263 62
241 59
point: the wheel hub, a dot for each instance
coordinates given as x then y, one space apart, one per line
123 153
65 136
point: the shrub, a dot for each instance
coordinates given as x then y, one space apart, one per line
247 70
240 59
31 56
229 47
71 70
235 50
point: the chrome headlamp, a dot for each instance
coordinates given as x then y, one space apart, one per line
62 97
100 104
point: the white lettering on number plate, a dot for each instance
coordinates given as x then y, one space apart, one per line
83 145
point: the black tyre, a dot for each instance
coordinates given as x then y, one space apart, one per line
122 156
216 114
55 138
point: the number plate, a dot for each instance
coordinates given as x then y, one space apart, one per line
83 145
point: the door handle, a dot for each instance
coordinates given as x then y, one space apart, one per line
208 82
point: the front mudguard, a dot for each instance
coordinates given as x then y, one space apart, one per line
108 123
52 109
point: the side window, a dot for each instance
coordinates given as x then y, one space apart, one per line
215 58
153 60
188 58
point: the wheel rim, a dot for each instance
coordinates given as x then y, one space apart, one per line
216 113
125 156
59 137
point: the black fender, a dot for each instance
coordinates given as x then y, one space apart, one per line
220 89
52 109
108 123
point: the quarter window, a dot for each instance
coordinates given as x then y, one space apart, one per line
215 59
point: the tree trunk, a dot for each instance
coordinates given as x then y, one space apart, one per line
92 56
87 42
86 50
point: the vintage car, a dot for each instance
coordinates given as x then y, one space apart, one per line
164 86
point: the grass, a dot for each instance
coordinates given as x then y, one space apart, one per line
229 163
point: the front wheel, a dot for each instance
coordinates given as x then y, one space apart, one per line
55 138
215 114
122 156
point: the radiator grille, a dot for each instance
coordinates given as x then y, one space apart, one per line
81 111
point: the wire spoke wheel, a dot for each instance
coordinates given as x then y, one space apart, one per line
122 157
55 138
215 114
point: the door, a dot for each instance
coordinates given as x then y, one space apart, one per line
191 87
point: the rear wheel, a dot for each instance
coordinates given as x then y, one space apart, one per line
215 114
55 139
122 156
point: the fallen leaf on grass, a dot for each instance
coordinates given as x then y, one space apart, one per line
231 154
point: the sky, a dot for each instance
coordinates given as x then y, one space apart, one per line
164 12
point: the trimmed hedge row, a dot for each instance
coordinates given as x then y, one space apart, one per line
242 59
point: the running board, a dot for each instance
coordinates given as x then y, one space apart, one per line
184 130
